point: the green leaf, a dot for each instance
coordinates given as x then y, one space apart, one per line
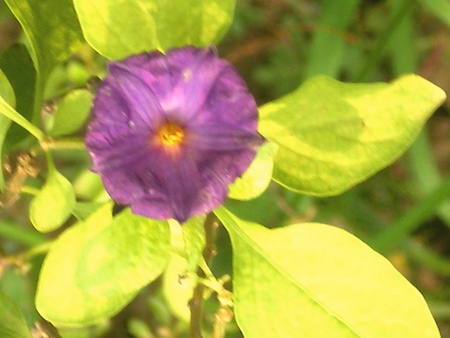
6 94
257 177
96 267
54 203
315 280
89 186
71 114
13 324
334 135
18 67
110 26
52 28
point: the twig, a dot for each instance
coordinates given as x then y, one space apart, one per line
196 303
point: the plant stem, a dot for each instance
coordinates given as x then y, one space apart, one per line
69 143
13 115
196 303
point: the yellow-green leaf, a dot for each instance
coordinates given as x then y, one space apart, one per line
72 113
110 26
333 135
316 280
54 203
257 177
97 266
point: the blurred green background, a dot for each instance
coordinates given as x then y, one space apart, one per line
403 211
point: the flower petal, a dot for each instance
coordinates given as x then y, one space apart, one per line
143 105
194 74
198 95
171 185
223 138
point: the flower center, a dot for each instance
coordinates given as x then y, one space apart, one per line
171 134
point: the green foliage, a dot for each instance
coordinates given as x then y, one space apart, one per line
307 279
71 114
327 50
412 220
89 186
108 29
28 237
54 203
315 280
12 324
9 112
329 145
6 90
257 177
52 29
18 67
440 8
96 267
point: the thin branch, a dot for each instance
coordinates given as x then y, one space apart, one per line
196 303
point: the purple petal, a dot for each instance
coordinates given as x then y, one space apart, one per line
142 104
205 99
197 72
221 137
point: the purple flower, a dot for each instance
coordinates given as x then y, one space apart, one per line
171 132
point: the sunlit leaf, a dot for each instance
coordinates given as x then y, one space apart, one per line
334 135
315 280
54 203
96 267
257 177
110 26
13 324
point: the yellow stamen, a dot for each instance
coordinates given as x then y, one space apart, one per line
171 134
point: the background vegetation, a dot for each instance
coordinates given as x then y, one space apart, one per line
403 211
